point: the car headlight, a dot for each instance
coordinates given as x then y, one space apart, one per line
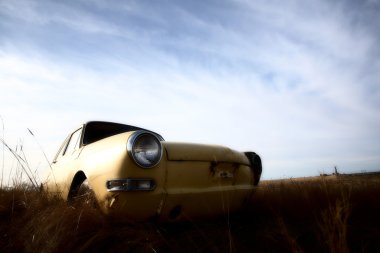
145 149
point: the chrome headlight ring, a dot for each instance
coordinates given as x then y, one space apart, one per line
145 149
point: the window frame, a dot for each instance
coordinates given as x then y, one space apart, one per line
62 150
78 141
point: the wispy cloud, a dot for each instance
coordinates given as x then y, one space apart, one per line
297 82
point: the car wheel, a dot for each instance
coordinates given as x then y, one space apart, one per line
85 195
256 166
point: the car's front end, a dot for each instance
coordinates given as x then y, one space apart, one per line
169 181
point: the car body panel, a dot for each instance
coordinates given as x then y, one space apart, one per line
191 180
202 152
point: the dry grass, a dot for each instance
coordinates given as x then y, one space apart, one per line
283 216
322 215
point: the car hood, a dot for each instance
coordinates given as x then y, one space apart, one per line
200 152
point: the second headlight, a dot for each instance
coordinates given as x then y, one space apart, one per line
145 149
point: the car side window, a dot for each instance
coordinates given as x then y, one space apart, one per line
61 150
74 142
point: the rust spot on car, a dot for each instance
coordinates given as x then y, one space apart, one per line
213 165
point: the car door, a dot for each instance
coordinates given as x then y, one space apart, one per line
66 163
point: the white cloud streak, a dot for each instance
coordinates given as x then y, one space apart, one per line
296 83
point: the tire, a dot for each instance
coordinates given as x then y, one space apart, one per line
256 166
85 195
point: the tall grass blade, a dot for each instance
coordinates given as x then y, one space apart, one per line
21 162
43 152
3 153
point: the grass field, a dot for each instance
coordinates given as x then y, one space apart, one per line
322 214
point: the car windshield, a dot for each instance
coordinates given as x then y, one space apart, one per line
95 131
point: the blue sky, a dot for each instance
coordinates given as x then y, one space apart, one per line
296 81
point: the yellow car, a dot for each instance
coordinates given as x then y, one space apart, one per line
135 173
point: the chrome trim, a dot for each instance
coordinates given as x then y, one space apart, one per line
129 184
131 142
